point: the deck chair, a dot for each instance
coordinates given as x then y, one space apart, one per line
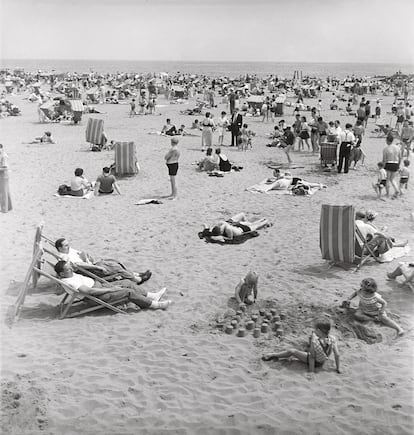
341 242
95 133
75 296
328 153
126 163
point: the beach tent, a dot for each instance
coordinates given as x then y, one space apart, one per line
255 101
126 163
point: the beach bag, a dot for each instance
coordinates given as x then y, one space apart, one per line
64 189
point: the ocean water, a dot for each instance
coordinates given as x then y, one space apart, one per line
231 69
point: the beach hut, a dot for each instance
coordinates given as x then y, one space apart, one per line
255 101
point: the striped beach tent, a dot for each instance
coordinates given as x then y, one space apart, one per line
94 131
337 233
125 159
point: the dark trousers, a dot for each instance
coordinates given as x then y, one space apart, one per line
234 135
344 153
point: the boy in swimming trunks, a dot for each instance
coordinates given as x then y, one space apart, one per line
372 306
321 345
171 160
404 175
246 287
381 179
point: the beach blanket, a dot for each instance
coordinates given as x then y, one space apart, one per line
89 195
207 236
265 187
148 201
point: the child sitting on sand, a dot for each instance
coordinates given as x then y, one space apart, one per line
404 175
381 179
321 345
372 306
46 138
246 287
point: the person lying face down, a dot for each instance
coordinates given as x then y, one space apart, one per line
122 289
102 268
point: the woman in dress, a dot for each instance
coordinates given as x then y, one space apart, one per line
207 133
222 125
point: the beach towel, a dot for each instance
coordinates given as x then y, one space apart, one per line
393 253
207 236
148 201
88 195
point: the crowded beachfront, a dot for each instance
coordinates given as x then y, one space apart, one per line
301 158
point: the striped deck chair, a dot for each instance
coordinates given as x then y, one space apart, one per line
125 159
328 152
94 132
340 239
77 109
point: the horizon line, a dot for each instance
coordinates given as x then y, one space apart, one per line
210 61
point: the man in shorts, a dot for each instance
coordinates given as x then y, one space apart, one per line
391 157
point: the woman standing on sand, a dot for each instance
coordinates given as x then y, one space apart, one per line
171 159
207 133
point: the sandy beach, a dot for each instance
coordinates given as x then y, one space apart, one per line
175 372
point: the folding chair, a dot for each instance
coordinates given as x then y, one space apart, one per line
75 296
94 133
340 239
408 279
328 153
126 163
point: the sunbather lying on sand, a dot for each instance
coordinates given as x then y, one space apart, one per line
122 289
102 268
321 345
236 226
46 138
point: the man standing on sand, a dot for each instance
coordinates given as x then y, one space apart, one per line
391 157
171 160
235 125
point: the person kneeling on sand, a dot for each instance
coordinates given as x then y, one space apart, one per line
321 345
371 305
236 226
245 288
104 268
123 289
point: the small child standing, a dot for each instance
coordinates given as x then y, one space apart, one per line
404 175
381 179
372 306
321 345
132 112
246 138
246 287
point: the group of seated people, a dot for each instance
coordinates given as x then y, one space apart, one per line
120 283
217 162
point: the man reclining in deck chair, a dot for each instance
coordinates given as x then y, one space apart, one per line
125 289
103 268
234 228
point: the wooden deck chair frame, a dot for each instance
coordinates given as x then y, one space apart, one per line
341 241
32 277
409 279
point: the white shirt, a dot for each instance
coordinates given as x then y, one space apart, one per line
73 256
77 281
346 136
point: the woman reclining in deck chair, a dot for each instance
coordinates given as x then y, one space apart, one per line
235 227
106 268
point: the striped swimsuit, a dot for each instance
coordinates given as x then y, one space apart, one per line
322 347
369 304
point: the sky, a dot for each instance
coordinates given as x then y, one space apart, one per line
209 30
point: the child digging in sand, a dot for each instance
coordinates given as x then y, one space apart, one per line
245 288
321 345
372 306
